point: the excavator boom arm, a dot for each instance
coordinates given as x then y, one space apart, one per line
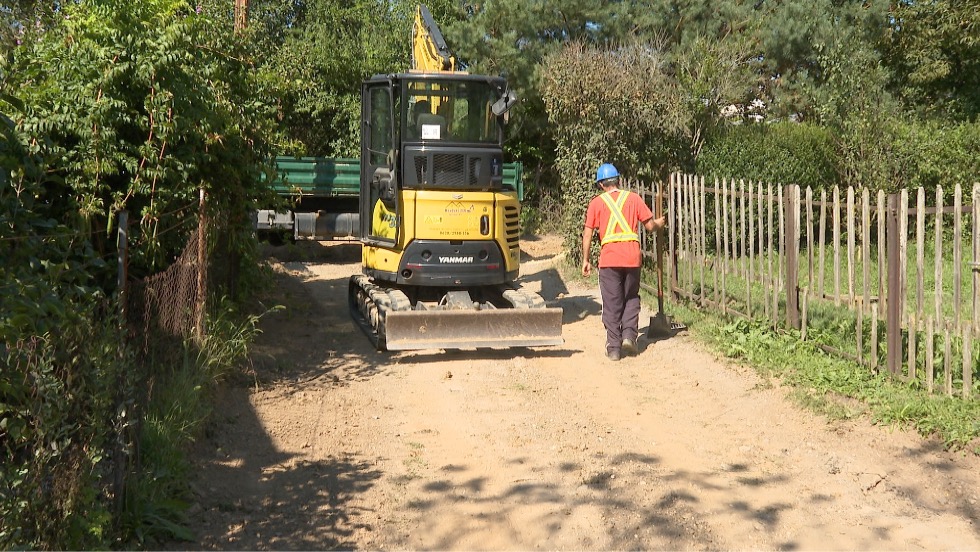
430 53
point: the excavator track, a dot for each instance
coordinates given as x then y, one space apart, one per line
392 322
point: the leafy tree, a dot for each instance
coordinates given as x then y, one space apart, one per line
616 106
933 50
142 106
55 363
327 49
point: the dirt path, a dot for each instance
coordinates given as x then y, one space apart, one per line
333 445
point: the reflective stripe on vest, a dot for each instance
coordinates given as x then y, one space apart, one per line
617 220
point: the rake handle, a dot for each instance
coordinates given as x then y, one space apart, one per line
658 212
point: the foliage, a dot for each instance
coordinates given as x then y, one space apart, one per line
57 366
933 51
829 383
142 107
178 407
135 106
778 153
632 107
934 153
325 54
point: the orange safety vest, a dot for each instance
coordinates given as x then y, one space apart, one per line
617 229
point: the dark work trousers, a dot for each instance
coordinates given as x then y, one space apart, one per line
620 291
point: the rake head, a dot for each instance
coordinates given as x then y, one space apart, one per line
663 326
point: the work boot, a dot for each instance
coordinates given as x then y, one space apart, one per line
613 354
629 347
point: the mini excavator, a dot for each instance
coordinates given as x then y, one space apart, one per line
440 231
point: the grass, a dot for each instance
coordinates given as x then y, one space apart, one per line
832 317
835 387
178 407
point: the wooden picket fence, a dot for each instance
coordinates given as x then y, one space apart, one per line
799 258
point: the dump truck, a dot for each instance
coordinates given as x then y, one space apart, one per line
323 196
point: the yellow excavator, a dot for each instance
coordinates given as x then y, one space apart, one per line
440 230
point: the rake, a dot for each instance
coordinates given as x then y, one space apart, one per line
661 325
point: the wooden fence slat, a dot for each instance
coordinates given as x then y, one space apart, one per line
882 261
836 230
689 235
957 252
874 340
859 332
866 247
680 252
682 257
702 236
803 316
850 243
765 269
893 316
938 258
947 359
672 225
724 245
809 236
760 215
751 248
716 263
822 290
913 337
743 255
780 258
967 362
738 245
930 353
920 250
793 260
733 226
903 233
976 257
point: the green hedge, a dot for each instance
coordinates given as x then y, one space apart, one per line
780 153
932 153
921 153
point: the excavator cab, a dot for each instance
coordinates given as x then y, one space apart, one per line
428 133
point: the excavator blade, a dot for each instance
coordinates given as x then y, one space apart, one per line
469 329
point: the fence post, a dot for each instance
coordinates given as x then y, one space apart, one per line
119 443
792 249
201 274
893 308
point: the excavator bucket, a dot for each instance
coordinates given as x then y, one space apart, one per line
469 329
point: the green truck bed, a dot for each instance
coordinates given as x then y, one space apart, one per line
340 176
327 189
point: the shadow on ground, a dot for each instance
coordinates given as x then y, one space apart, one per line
251 495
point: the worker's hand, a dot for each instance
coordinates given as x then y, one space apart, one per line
660 223
586 268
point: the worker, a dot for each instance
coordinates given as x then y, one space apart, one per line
617 214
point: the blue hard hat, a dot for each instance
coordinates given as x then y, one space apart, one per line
605 172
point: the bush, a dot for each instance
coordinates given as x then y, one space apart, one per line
934 154
778 153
